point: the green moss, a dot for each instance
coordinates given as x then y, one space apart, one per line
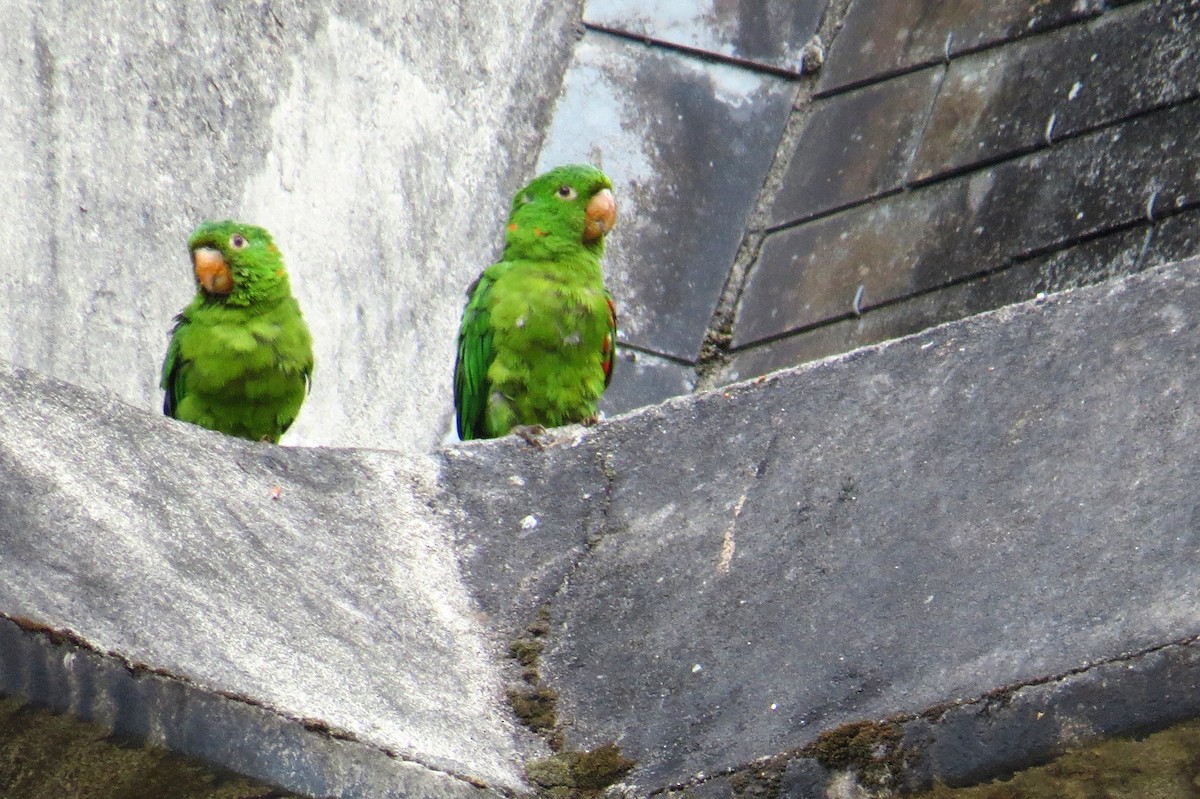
763 781
49 756
565 774
578 775
869 748
1165 765
526 650
536 707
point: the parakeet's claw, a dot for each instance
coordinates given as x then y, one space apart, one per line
533 435
594 419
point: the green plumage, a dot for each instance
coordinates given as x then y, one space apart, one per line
537 336
240 360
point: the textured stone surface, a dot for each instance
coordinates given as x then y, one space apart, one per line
972 224
989 503
772 33
205 724
43 754
856 145
1175 239
881 37
315 583
1001 101
1095 260
383 166
687 143
982 740
642 379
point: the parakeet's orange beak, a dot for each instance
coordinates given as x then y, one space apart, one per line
601 215
212 272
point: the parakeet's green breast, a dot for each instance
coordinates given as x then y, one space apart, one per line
240 356
539 329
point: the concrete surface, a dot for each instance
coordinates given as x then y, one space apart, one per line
985 504
383 166
310 582
1001 502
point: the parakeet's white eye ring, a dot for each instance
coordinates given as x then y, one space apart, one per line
237 241
566 193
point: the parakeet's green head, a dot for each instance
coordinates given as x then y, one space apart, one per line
568 207
237 263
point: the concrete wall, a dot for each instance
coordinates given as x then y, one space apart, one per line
379 143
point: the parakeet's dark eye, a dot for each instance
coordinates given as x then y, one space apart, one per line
566 193
237 241
528 198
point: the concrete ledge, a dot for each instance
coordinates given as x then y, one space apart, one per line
237 733
988 504
997 509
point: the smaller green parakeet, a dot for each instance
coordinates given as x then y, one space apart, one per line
240 357
535 348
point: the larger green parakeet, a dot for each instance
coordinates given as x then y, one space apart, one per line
536 343
240 356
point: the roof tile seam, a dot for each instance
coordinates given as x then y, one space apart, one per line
948 57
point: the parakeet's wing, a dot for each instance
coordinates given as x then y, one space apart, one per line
171 382
474 357
610 342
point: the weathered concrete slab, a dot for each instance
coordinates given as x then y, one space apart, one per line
1090 262
643 379
986 504
313 584
856 145
383 166
991 504
1002 101
882 37
972 224
687 143
138 703
771 34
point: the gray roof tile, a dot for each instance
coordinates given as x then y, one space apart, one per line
771 33
687 143
882 37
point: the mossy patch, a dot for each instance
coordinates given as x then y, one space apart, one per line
578 775
567 774
1165 765
526 650
762 781
535 706
871 749
44 755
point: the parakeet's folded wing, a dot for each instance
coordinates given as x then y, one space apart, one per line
171 377
610 342
471 366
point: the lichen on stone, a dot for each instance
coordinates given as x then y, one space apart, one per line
579 774
870 749
1165 765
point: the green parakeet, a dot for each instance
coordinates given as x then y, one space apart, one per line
240 356
537 337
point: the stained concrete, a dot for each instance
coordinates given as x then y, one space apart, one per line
312 583
382 164
994 503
